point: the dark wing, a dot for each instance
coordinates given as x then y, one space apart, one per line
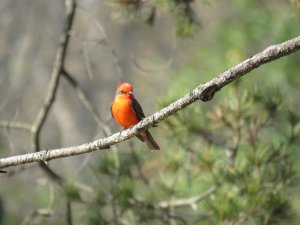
138 111
137 108
111 110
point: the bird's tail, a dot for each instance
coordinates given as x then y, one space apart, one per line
152 145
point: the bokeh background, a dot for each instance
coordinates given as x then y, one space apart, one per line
240 152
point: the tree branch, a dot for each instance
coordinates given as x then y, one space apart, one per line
37 213
185 202
204 92
82 96
53 87
57 68
15 125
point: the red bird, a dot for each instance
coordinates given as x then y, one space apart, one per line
126 110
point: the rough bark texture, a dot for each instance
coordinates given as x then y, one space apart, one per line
204 92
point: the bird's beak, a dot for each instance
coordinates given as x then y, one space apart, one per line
130 92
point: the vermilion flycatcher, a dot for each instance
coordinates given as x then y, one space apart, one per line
126 110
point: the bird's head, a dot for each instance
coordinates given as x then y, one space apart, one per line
125 89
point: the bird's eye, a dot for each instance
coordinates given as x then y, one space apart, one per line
121 92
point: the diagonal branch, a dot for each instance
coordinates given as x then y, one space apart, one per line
204 92
85 101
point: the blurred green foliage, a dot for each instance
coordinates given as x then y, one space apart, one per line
186 20
243 146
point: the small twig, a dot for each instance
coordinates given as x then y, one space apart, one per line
15 125
186 202
36 213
